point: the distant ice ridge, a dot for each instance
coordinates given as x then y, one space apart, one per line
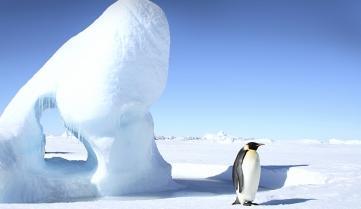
223 137
102 81
220 137
331 141
350 142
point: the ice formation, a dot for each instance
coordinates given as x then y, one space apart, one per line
103 82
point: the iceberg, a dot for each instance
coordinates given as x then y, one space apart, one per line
102 81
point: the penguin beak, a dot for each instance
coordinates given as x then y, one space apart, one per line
260 144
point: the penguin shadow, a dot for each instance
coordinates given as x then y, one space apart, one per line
272 176
290 201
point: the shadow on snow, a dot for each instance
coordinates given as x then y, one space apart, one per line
286 201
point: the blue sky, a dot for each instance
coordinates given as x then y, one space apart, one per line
279 69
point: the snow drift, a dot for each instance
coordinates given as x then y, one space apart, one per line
103 82
272 177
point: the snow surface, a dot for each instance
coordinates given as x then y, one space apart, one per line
294 175
102 81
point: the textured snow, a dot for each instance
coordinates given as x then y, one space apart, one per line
294 175
102 81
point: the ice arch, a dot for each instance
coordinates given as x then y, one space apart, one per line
103 82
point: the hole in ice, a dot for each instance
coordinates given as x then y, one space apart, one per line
52 123
60 142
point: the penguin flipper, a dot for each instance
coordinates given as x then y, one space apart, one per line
237 172
235 178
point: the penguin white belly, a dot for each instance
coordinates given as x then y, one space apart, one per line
251 174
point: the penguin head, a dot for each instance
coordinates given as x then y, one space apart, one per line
252 146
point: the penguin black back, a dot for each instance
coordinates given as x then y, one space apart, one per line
237 173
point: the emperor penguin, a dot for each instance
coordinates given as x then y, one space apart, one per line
246 174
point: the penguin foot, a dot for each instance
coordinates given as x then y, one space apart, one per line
249 203
236 202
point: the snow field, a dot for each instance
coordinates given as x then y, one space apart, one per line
294 175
